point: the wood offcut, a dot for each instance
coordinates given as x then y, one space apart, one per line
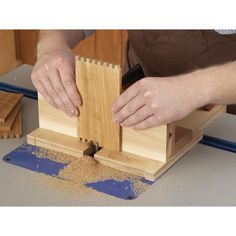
10 115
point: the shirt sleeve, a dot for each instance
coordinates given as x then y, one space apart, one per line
87 33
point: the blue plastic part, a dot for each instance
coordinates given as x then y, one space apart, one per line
15 89
219 143
23 156
121 189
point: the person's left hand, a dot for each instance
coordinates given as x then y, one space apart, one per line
155 101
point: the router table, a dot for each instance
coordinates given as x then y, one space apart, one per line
205 176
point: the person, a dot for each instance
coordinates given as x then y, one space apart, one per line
184 70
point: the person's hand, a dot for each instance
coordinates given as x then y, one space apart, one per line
54 77
155 101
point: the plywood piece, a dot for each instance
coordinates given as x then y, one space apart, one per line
138 165
99 85
7 103
199 119
150 143
7 125
55 120
58 142
16 130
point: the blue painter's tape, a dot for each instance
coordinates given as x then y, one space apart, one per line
121 189
23 156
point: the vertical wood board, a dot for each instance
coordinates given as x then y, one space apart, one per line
99 85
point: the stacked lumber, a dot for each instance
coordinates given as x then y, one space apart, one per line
10 115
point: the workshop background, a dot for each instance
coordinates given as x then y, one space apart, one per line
19 47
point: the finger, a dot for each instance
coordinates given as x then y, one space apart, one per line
44 93
146 124
50 89
68 80
47 96
61 92
124 98
130 108
140 115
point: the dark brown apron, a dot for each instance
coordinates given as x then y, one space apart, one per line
172 52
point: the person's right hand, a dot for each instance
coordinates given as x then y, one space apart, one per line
54 77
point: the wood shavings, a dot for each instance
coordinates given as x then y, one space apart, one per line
79 171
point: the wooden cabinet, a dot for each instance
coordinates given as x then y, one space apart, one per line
8 51
107 45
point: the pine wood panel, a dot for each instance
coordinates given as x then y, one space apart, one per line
59 142
56 120
99 86
150 143
138 165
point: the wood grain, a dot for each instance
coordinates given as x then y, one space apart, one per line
150 143
16 130
109 46
7 125
59 142
27 45
7 103
138 165
99 85
8 55
55 120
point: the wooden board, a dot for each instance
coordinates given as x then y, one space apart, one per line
7 125
8 55
99 85
7 103
59 142
16 130
137 165
150 143
199 119
55 120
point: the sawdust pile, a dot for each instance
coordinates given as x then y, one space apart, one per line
79 171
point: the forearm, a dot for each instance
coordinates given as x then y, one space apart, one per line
50 39
213 85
